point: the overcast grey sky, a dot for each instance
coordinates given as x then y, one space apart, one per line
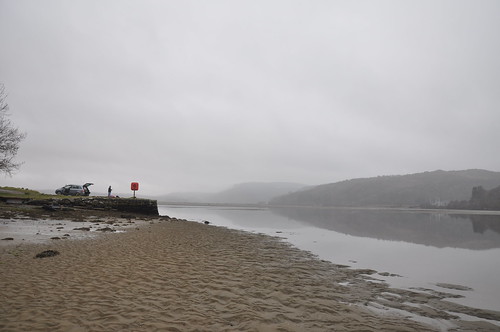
200 95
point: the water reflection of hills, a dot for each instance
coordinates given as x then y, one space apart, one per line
433 229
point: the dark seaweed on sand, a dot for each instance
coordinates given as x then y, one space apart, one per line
47 253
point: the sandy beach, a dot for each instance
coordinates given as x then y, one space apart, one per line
174 275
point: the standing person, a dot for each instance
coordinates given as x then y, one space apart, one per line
109 191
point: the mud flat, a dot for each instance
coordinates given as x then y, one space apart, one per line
173 275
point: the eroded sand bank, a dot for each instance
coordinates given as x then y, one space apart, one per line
170 275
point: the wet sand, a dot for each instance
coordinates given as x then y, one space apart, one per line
171 275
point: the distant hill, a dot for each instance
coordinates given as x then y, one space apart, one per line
421 189
243 193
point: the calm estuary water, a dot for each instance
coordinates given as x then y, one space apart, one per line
423 248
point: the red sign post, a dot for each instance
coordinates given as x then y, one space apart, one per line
134 186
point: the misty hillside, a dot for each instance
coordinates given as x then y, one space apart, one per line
244 193
437 187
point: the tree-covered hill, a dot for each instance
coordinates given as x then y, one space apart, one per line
435 188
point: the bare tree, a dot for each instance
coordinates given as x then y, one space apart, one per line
10 137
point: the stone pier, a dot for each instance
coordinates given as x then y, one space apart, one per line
131 205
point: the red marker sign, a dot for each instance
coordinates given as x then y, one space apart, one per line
134 186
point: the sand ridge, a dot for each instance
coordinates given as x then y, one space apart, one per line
183 276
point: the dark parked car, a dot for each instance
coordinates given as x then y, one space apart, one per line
74 190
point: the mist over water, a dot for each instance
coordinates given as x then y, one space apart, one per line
423 248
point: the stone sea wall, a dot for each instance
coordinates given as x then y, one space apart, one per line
132 205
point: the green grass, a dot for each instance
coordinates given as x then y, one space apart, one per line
23 193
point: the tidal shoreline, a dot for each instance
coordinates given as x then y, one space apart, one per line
172 275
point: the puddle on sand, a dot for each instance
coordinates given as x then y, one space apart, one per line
18 231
